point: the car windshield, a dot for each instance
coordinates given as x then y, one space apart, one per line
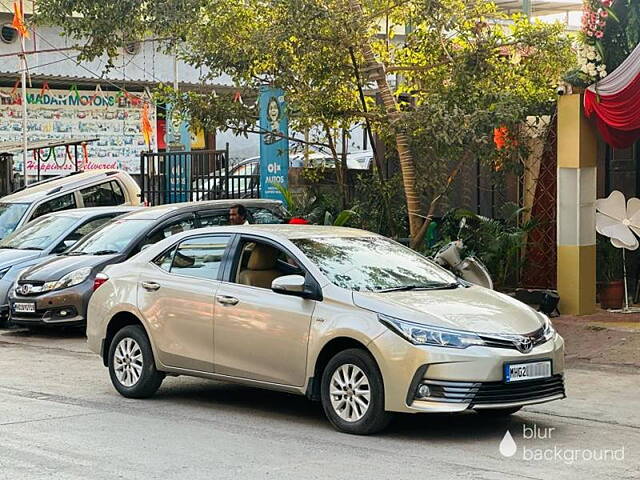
373 264
113 237
39 234
10 216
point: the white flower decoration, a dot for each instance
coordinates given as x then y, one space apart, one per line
619 220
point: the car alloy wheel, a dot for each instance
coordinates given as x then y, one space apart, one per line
350 393
131 365
128 362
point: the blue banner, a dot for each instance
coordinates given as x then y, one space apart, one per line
274 149
178 167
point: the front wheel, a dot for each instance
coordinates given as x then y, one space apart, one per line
352 393
131 364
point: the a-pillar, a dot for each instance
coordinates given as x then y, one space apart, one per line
577 156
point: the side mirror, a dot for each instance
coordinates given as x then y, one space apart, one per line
296 285
289 285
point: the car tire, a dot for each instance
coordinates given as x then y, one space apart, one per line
131 364
498 412
354 410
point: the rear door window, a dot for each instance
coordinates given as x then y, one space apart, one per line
214 218
63 202
198 257
102 195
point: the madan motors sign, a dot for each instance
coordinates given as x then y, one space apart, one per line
111 117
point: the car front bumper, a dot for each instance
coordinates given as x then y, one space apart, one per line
66 307
461 379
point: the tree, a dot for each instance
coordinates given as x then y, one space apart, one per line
465 72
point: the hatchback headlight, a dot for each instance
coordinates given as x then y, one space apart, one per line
69 280
419 334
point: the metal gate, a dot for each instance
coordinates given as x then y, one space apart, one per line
171 177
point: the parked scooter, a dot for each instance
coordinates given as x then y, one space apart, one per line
469 268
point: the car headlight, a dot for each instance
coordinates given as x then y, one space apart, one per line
4 271
69 280
549 331
419 334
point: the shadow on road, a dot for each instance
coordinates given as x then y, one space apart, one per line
240 400
44 333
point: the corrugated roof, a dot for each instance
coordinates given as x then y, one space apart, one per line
541 7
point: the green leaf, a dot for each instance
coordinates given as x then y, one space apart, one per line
343 217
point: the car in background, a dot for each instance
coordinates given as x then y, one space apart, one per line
348 317
45 237
243 181
98 188
56 291
362 160
244 176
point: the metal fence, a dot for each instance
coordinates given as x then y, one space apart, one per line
170 177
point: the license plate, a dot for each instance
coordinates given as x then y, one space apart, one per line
24 307
516 372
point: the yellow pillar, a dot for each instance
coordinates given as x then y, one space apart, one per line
577 155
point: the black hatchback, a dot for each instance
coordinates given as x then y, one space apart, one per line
57 291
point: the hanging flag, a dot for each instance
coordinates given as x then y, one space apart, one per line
147 130
18 20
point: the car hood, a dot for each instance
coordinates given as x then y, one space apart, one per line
57 267
475 309
10 257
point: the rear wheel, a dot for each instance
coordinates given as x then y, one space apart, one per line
352 393
131 364
498 412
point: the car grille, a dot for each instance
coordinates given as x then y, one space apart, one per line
488 393
514 342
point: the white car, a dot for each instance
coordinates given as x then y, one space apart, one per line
353 319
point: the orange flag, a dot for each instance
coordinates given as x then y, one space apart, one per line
18 20
147 131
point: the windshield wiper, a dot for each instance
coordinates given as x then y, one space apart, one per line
30 248
105 252
74 254
431 286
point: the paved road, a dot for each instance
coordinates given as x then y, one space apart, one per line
61 419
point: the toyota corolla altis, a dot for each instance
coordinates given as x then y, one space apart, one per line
353 319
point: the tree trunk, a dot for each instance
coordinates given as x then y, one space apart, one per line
377 73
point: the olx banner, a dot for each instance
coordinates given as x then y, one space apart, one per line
274 148
178 165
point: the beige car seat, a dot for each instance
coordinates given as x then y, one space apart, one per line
261 268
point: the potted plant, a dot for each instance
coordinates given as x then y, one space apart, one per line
609 273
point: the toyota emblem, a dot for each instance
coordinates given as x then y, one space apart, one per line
524 345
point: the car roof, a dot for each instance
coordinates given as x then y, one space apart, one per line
289 231
155 213
40 190
80 213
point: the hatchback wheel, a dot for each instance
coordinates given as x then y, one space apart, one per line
352 393
131 364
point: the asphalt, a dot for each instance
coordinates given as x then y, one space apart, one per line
60 418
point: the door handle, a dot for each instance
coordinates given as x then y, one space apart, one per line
225 300
150 286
